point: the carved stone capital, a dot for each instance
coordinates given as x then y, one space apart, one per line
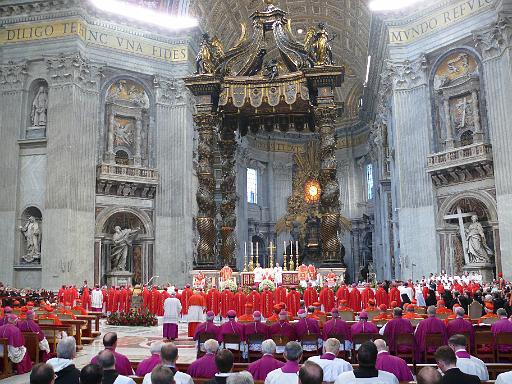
407 74
493 40
12 76
74 69
206 120
170 91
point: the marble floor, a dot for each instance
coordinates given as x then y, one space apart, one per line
133 342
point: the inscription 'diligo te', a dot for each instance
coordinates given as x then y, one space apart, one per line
95 36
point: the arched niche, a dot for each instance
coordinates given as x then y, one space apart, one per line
140 252
30 235
37 111
126 123
459 105
454 213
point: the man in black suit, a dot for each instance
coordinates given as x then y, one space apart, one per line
447 363
224 362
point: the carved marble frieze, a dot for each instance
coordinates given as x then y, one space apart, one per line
459 165
13 75
125 180
408 74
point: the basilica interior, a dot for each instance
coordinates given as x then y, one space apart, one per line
365 138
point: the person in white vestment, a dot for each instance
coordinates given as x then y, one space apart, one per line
288 373
420 299
331 365
97 299
169 355
366 373
278 274
258 274
172 310
504 378
465 362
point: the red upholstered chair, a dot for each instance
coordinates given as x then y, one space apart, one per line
432 342
484 346
504 338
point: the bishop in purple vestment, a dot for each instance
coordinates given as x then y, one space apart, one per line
306 326
231 327
123 366
255 327
459 325
501 326
392 364
429 326
336 326
7 312
20 356
205 367
208 327
395 327
363 326
260 368
29 325
283 327
147 365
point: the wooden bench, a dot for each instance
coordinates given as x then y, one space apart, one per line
6 369
32 345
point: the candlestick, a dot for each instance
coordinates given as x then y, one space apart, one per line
297 261
251 263
284 260
245 256
256 260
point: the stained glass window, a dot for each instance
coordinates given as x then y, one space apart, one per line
252 186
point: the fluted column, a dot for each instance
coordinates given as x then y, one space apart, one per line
11 118
494 43
412 123
227 146
70 191
206 89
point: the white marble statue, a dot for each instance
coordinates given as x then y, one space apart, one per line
32 235
39 108
477 249
122 240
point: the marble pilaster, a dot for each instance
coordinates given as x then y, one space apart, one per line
70 199
494 43
11 93
411 114
173 228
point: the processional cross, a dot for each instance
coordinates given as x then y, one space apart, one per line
460 216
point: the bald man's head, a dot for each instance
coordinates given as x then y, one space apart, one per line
381 345
428 375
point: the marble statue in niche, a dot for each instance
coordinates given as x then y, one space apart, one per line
477 249
32 234
122 240
39 110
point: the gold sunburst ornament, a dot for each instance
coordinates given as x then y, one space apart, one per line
312 191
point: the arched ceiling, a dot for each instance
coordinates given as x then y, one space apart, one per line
349 19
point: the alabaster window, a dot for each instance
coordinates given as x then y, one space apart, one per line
252 186
369 181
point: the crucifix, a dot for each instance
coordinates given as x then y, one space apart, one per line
271 248
460 216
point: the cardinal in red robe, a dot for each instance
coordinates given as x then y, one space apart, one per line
60 294
110 303
310 295
226 302
86 298
293 301
280 294
254 298
266 303
155 300
354 299
240 299
342 294
327 298
146 297
185 296
394 295
381 296
122 299
213 301
366 295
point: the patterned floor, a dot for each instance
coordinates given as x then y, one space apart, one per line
133 342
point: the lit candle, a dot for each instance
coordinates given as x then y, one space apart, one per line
245 248
252 253
296 247
284 245
256 250
291 247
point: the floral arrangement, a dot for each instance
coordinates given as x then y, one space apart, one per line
229 284
132 318
269 284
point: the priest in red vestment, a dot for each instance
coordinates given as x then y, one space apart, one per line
394 295
226 302
327 298
381 296
185 297
86 297
266 302
342 294
213 300
280 294
240 299
293 301
310 295
366 295
254 298
354 300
